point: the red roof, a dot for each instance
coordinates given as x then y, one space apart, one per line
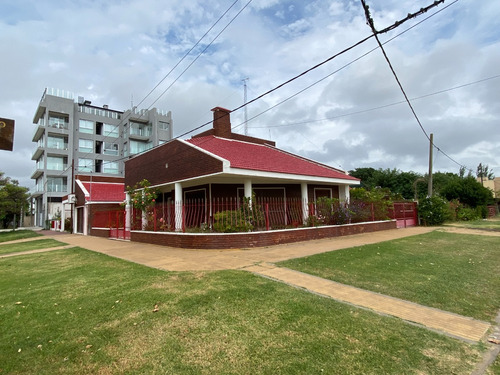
265 158
104 192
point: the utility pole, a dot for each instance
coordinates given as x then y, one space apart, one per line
431 149
245 102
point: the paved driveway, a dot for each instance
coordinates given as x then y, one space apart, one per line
175 259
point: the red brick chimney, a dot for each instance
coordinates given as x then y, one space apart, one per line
222 122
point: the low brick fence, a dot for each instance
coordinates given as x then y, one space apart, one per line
256 239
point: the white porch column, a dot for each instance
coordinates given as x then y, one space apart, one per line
248 189
63 217
178 207
344 193
85 220
75 218
127 212
305 202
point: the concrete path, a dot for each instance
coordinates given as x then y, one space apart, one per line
445 322
260 261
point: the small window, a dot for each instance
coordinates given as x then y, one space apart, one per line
85 165
86 126
85 145
110 130
110 167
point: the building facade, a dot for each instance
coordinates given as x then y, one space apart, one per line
74 137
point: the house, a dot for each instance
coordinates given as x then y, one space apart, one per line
94 199
218 164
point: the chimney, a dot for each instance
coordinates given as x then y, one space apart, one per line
222 122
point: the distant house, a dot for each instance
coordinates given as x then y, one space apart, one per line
94 199
221 164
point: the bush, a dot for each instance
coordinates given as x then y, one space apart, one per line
433 210
231 222
68 225
467 214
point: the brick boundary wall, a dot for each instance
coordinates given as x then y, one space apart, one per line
99 232
254 239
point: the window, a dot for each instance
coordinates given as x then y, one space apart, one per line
86 126
143 130
57 184
110 148
110 130
138 147
85 165
110 167
39 163
56 163
60 143
39 185
85 145
58 121
163 125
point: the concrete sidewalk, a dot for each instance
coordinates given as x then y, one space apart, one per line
260 261
442 321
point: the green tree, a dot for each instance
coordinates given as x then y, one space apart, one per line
484 173
467 191
13 201
398 182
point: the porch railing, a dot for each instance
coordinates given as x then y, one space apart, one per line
242 215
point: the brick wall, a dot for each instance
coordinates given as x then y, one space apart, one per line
173 161
256 239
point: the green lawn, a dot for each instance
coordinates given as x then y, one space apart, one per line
453 272
494 369
44 243
78 312
17 235
489 224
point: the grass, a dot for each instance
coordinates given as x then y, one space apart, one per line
453 272
494 369
45 243
489 224
78 312
17 235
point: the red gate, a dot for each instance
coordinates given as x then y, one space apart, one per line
114 220
405 214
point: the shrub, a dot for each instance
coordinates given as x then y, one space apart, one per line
231 222
467 214
433 210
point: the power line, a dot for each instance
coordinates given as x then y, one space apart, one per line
171 70
202 52
187 53
370 23
380 107
352 62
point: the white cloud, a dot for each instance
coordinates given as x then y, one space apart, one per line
114 51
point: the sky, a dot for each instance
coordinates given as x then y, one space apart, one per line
348 113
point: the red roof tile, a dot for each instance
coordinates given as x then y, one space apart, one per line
265 158
105 192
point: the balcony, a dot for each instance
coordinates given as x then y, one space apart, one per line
38 152
37 173
142 133
37 134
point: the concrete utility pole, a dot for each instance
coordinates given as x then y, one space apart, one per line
431 149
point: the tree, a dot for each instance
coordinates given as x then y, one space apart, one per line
468 191
398 182
484 172
13 201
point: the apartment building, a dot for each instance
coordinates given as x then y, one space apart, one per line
74 137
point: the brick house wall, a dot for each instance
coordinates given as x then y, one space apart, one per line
170 162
